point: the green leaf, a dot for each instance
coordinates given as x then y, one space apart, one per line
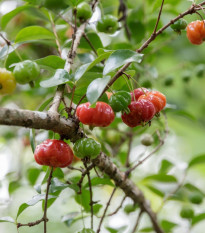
116 230
198 218
96 208
51 61
7 219
7 17
58 173
161 178
119 58
84 68
99 181
165 166
84 199
60 77
86 230
35 199
155 190
94 39
197 160
57 185
167 226
14 185
33 33
32 175
96 88
32 139
146 229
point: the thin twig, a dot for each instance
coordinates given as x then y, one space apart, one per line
84 173
8 42
158 18
31 224
91 192
55 34
106 208
179 185
46 199
118 208
161 143
137 222
127 163
89 42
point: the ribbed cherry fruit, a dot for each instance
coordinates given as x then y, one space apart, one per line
157 99
136 93
102 115
141 111
196 32
54 153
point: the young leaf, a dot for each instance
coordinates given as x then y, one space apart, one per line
96 88
116 230
35 199
32 175
60 77
119 58
7 219
51 61
33 33
45 104
197 160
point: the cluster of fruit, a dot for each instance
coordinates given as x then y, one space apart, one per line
24 72
138 107
107 24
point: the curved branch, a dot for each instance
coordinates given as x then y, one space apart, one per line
68 128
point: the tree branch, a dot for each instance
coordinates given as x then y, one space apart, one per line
66 127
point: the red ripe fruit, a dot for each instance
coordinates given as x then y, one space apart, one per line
54 153
157 98
196 32
102 115
140 111
137 93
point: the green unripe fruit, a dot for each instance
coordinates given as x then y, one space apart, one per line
196 198
147 140
120 100
179 25
186 77
169 81
187 212
84 11
146 83
26 71
87 147
200 70
107 24
129 208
